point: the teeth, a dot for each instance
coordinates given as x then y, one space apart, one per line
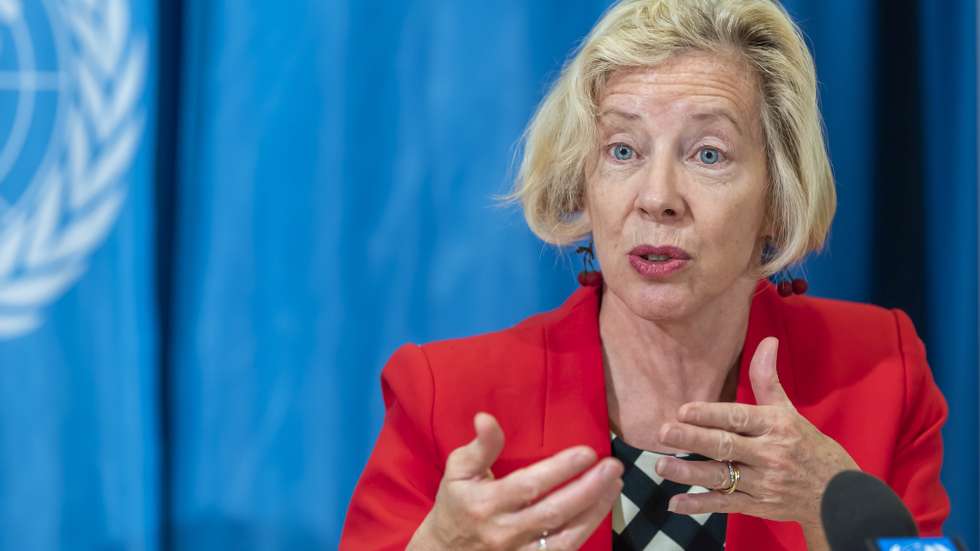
656 257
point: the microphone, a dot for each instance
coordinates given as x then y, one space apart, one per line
857 509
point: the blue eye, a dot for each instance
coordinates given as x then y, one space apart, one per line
623 152
709 155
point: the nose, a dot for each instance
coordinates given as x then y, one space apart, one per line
659 197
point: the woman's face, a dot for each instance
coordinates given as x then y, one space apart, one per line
676 192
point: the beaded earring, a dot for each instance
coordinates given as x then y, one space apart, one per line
786 283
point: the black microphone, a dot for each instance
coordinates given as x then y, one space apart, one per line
857 509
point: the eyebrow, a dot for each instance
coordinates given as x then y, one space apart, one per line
715 114
710 115
620 114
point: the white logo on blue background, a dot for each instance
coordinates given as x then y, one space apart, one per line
72 73
916 544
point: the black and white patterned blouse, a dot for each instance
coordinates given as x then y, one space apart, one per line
641 521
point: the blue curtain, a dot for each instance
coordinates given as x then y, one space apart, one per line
948 61
79 438
313 185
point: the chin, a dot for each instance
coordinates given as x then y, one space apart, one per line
658 301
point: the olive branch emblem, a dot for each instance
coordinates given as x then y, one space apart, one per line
44 247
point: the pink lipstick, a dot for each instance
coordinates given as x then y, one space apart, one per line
658 262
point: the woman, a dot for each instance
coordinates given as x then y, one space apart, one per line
680 402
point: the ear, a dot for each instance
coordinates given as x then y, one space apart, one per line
765 240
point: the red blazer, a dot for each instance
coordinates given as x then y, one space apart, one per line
857 372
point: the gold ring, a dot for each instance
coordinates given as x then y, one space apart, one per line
733 477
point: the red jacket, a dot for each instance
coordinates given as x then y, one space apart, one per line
857 372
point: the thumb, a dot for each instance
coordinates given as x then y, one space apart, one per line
474 459
764 376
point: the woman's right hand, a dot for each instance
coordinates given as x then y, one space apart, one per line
473 511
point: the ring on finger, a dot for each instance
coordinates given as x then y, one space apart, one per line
734 475
543 540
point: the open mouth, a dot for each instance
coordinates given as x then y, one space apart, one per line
657 257
658 262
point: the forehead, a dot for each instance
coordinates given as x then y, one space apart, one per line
686 83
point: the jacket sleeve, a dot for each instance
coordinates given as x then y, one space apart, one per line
919 451
398 486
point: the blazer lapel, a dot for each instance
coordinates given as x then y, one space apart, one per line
747 532
765 321
575 410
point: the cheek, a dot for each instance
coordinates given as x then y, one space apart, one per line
606 203
736 229
605 207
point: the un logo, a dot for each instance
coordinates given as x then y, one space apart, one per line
72 75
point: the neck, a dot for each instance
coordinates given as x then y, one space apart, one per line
658 365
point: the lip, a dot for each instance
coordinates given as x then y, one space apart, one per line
678 260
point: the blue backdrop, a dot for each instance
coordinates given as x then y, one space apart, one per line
312 185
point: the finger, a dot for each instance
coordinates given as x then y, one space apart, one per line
711 502
525 486
474 459
577 530
717 444
567 502
739 418
764 376
712 475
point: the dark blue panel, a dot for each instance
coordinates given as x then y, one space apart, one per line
949 58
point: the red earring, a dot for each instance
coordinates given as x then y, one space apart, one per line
786 284
789 285
588 277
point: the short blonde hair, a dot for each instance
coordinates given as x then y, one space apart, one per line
642 33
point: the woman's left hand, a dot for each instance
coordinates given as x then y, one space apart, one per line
784 461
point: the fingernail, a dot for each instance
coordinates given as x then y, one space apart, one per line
608 468
665 432
582 456
672 506
661 466
771 359
617 488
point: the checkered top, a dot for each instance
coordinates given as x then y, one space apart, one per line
641 521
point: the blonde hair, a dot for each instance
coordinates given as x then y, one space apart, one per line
642 33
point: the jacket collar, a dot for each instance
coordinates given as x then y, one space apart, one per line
575 409
765 320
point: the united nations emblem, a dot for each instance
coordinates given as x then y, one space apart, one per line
72 74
